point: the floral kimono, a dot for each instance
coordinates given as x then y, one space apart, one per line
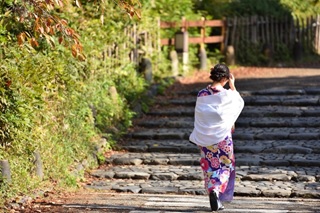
216 111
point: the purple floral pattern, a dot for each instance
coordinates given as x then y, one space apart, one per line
218 165
208 91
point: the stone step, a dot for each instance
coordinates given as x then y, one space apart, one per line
248 111
278 122
284 101
187 122
251 181
282 92
248 133
244 173
175 146
242 159
286 92
243 188
240 146
281 133
293 100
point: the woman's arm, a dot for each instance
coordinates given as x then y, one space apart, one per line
231 82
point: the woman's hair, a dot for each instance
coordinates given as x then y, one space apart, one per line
218 72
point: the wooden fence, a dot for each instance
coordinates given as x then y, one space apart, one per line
268 32
118 54
139 44
296 35
202 24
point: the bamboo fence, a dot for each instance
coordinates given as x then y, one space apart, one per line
271 32
139 43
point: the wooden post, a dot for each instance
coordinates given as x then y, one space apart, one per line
304 34
230 56
317 35
38 164
202 51
223 33
281 29
247 27
243 29
254 23
276 31
227 34
268 32
233 33
262 28
203 32
238 30
297 48
135 48
286 31
5 170
308 27
185 54
272 36
292 35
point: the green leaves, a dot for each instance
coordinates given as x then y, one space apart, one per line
56 104
302 9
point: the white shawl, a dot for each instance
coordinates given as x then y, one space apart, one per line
214 116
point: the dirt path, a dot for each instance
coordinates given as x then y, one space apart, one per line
262 78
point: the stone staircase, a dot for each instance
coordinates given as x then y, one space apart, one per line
277 147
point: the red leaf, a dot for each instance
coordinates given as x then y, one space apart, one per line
8 83
60 40
34 42
21 38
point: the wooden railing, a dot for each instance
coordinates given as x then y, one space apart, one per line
202 24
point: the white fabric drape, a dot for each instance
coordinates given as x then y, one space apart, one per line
214 117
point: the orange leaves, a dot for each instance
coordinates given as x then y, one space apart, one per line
33 42
49 21
63 22
76 50
21 38
129 7
69 31
48 27
60 40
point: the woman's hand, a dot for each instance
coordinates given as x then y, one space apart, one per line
231 82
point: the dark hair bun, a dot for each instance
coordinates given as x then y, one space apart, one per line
218 72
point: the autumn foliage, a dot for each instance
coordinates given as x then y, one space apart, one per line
44 22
